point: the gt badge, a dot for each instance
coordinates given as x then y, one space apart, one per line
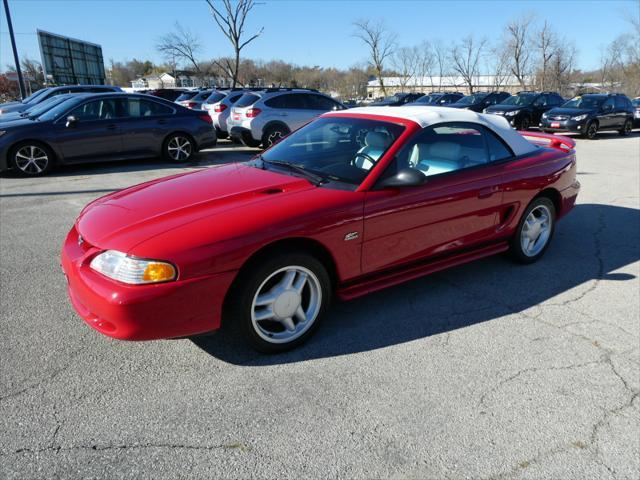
350 236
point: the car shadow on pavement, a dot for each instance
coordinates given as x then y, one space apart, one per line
591 243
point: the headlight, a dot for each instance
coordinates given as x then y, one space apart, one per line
580 117
512 113
135 271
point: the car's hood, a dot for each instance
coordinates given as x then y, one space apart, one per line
123 219
461 105
10 117
8 104
15 122
572 112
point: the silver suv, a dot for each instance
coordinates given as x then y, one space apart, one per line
264 117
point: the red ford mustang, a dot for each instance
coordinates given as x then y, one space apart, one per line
351 203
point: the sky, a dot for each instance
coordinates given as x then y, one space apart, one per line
306 32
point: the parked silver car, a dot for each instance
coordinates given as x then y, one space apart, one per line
195 102
264 117
220 111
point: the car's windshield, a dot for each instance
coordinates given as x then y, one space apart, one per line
635 102
335 148
40 108
521 100
216 97
60 109
247 100
471 99
35 95
585 101
428 99
202 95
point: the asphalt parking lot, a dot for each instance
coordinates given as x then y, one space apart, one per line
490 370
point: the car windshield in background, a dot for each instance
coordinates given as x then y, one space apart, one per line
428 99
522 99
585 102
215 97
186 96
60 109
335 149
40 108
35 95
635 102
202 95
471 99
247 100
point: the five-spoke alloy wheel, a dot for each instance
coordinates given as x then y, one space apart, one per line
178 148
280 301
32 159
534 231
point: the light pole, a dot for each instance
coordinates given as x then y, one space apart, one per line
23 92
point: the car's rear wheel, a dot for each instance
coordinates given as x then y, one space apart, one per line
32 159
280 303
178 148
273 135
591 130
534 232
626 128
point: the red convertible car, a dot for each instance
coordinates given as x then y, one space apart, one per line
351 203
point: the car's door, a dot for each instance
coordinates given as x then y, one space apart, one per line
607 114
622 110
94 133
457 207
144 125
538 107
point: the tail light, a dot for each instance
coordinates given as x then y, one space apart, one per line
205 118
219 107
190 104
253 112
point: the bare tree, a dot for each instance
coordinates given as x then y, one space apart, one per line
562 65
180 45
405 62
441 55
381 44
519 45
231 23
425 62
466 58
545 42
498 65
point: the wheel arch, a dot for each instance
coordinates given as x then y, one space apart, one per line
181 132
275 123
298 244
553 195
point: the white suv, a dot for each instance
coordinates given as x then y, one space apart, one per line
264 117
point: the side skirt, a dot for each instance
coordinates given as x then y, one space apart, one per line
396 277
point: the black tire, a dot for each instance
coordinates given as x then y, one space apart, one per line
249 141
273 135
590 130
31 159
516 249
525 123
626 128
221 135
252 281
178 148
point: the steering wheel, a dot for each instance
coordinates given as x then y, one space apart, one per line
365 156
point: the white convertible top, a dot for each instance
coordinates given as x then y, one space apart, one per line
425 116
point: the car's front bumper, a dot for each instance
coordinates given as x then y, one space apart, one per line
141 312
563 125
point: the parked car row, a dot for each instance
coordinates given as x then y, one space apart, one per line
585 114
81 127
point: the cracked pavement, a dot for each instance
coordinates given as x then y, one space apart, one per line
491 370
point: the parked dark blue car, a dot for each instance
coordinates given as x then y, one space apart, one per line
116 126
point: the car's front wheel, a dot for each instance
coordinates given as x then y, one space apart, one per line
591 130
178 148
32 159
280 302
626 128
534 232
273 135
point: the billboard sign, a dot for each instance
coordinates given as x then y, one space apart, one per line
67 61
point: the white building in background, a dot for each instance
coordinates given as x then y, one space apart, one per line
450 83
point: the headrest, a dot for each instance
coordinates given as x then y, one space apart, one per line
378 140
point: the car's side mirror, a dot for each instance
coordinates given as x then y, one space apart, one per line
71 121
407 177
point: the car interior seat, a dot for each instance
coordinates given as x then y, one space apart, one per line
375 145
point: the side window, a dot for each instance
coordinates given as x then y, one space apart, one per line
541 101
446 148
497 149
318 102
621 103
137 107
608 105
285 101
95 110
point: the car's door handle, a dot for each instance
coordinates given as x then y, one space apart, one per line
487 192
112 126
